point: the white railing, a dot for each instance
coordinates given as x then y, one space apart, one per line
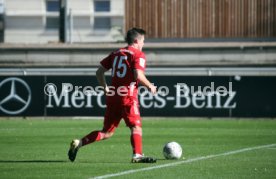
195 71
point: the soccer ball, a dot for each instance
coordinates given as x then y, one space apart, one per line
172 150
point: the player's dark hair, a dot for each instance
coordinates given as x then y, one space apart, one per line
132 34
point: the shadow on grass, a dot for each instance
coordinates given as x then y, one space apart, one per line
55 161
161 159
62 161
33 161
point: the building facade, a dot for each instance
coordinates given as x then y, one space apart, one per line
37 21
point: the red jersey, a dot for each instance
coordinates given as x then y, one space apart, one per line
124 87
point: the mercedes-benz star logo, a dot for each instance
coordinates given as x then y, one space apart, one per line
13 101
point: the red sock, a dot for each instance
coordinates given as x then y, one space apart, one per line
92 137
136 142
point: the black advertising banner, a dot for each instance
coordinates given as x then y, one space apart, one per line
21 96
198 96
74 101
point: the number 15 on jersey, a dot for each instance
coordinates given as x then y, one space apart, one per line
119 69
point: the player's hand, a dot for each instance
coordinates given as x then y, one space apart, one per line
106 90
152 89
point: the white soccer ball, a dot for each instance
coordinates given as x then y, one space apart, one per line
172 150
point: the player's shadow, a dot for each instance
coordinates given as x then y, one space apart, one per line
33 161
161 159
57 161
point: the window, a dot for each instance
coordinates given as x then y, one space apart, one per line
52 16
52 6
52 23
101 6
102 21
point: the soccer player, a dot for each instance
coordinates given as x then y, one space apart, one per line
128 65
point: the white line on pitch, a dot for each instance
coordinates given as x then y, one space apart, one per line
273 148
185 161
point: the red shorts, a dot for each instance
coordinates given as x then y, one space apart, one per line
115 112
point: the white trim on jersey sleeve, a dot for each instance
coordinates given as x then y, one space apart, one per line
142 62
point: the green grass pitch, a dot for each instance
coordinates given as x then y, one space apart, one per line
38 149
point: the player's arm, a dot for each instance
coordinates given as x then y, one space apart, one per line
140 76
101 78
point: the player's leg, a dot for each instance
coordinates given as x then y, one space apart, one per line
95 136
133 121
136 140
90 138
111 121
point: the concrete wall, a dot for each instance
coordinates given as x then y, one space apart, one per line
158 55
